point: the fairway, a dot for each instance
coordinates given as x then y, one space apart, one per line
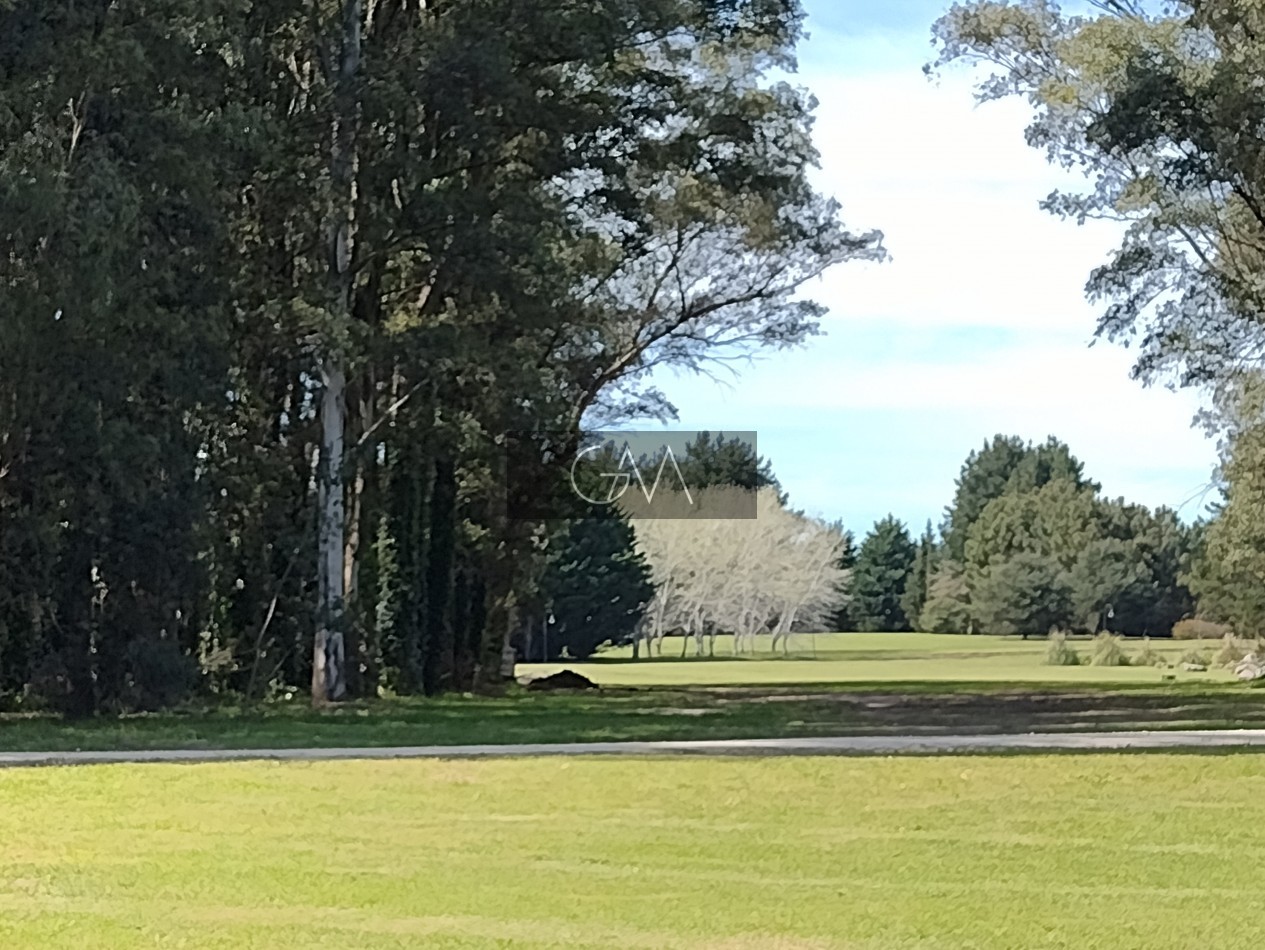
1145 851
878 657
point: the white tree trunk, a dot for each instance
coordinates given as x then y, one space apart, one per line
329 674
329 681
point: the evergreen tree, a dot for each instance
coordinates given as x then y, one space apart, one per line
712 460
948 606
883 567
595 588
916 590
1005 466
842 621
1026 594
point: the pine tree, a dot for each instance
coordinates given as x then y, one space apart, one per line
595 587
883 568
915 596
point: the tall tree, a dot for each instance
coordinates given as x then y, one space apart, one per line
948 606
919 582
112 324
1159 106
558 203
1004 466
883 570
713 459
1025 594
595 589
1228 568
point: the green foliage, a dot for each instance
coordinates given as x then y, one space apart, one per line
159 675
1108 578
1196 629
918 584
883 567
1060 652
1123 564
842 621
1026 594
1056 522
948 606
1228 572
1111 93
595 587
1005 466
713 460
529 183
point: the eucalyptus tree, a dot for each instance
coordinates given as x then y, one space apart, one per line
112 335
389 232
1159 105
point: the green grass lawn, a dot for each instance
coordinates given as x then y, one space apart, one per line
1103 851
877 657
859 684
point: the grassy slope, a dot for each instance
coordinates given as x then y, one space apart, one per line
1034 851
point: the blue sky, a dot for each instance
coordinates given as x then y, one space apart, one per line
977 325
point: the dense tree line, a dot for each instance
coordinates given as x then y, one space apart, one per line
1027 545
278 276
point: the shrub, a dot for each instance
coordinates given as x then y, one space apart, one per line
1109 650
1199 657
1149 656
1233 649
159 674
1192 629
51 687
1060 652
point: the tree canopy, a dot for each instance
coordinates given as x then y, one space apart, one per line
279 277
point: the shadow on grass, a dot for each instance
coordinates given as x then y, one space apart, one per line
655 712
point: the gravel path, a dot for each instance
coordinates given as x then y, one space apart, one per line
851 745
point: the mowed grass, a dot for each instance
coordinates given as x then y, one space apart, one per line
1109 851
859 684
878 657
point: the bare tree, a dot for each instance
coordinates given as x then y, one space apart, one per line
776 572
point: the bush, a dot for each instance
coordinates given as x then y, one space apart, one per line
1233 649
1149 656
51 687
1197 657
159 674
1193 629
1060 652
1109 650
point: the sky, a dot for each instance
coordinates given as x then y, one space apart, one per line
977 324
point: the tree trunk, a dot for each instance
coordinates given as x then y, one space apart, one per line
354 646
329 680
328 655
438 654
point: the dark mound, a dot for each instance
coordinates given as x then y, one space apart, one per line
567 679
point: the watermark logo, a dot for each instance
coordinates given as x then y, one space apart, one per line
627 471
632 474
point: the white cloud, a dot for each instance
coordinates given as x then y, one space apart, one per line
955 188
956 191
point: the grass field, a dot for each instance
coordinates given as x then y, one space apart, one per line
877 657
1106 851
859 684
